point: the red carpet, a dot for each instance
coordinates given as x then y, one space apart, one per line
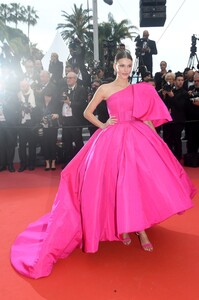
116 272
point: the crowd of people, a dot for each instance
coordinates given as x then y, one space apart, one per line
35 104
180 93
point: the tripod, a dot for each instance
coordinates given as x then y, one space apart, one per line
191 62
139 68
193 55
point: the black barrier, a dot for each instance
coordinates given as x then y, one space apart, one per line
82 126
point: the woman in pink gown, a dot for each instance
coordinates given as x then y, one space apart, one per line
125 179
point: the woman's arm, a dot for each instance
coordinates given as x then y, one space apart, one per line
98 97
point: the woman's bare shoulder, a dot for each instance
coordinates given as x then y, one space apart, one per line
106 86
106 89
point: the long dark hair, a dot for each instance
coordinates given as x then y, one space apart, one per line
123 54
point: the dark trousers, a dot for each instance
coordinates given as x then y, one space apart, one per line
27 136
192 131
49 143
8 140
172 133
72 139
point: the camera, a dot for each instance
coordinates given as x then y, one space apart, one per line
167 87
139 41
66 94
194 96
47 121
139 45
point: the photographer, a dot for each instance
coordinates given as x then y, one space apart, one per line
77 52
192 114
44 84
50 123
189 81
83 78
166 93
9 117
77 60
145 49
74 100
175 103
109 48
29 115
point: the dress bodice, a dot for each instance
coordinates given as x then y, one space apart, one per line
138 102
120 105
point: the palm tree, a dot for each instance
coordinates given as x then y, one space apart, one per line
4 13
111 35
16 13
30 17
117 32
77 24
3 32
18 45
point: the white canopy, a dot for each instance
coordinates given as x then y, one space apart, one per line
58 46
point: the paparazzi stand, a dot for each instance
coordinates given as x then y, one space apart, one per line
193 55
139 67
192 59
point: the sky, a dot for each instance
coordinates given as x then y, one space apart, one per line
173 40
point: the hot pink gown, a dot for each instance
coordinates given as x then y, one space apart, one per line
125 179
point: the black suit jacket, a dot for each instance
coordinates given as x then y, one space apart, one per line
186 85
192 110
11 108
177 104
78 98
147 57
52 108
41 90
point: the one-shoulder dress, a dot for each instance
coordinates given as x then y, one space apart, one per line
125 179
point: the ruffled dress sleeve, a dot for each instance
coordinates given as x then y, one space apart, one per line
148 105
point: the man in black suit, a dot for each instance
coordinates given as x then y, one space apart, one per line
9 120
189 81
44 84
192 114
77 61
28 119
74 101
176 103
148 49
